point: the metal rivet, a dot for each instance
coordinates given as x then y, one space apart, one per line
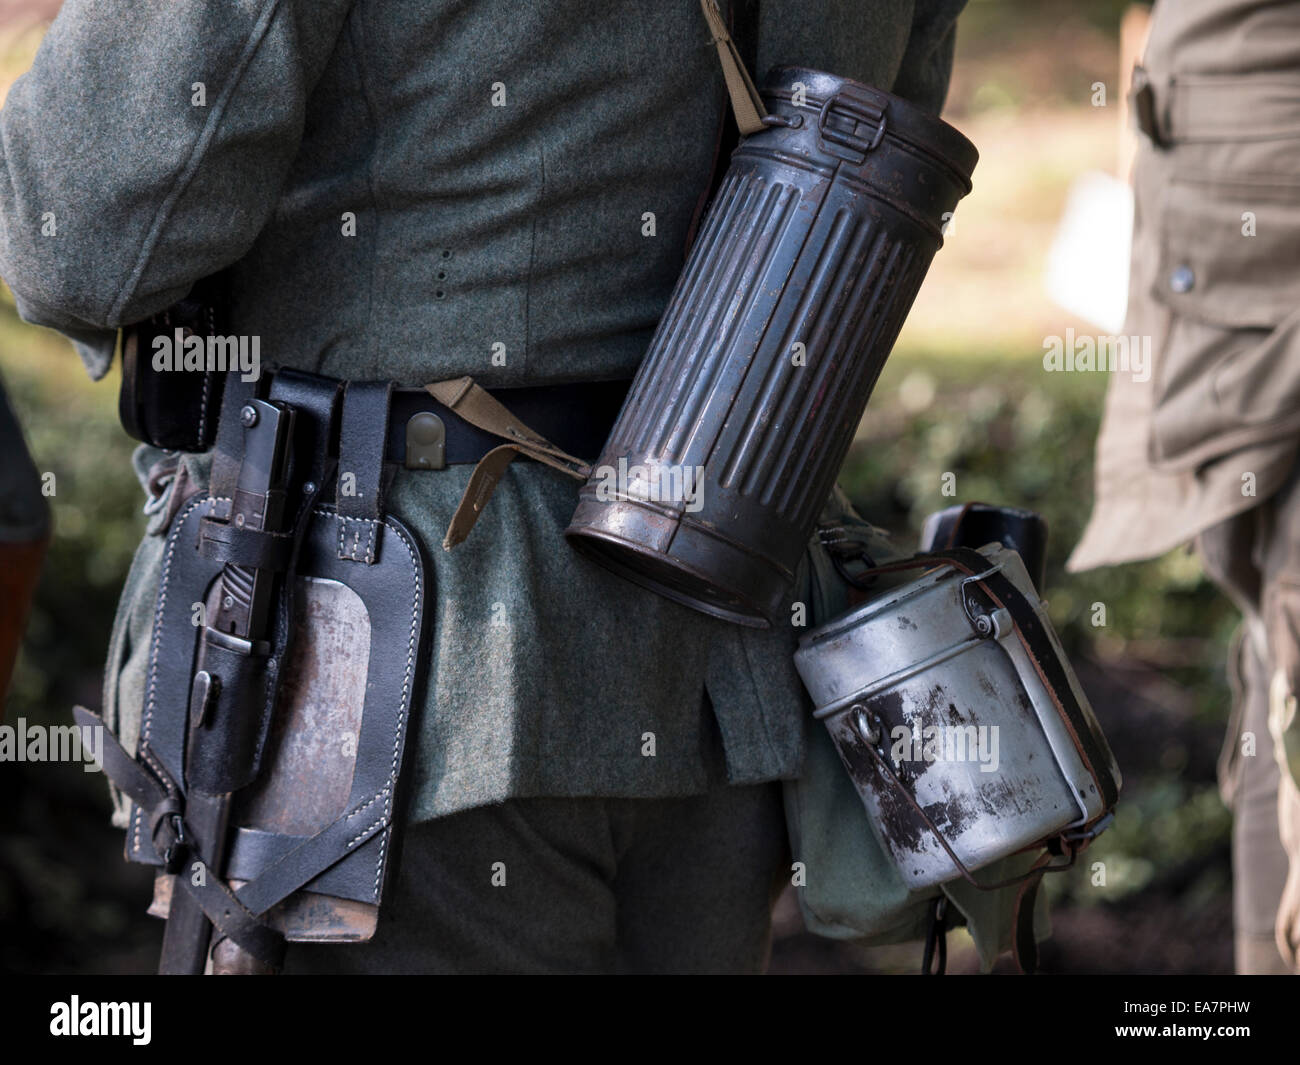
309 488
862 722
1182 279
202 695
248 417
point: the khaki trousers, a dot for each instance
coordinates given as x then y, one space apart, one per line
1255 558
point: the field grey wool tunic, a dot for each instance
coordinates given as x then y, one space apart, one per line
405 189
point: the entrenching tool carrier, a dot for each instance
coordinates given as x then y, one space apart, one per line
283 663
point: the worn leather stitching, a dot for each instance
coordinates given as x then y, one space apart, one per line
146 721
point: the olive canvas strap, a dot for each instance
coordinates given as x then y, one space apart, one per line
745 101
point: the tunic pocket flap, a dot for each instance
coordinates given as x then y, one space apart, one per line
1230 251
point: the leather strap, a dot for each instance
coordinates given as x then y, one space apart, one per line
481 410
315 444
232 919
153 791
229 443
148 789
363 439
1024 945
576 417
237 546
746 104
936 939
315 854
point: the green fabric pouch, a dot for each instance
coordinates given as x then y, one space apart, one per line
848 886
167 477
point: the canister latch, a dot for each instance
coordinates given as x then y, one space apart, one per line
867 118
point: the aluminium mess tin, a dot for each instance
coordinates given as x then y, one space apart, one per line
933 680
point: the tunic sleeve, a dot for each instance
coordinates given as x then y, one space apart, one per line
146 148
904 46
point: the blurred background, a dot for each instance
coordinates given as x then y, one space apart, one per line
965 392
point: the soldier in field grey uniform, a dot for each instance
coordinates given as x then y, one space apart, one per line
417 191
1206 449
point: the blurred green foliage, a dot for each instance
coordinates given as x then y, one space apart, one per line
1017 55
68 902
1015 434
72 432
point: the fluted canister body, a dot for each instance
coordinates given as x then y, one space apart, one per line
759 372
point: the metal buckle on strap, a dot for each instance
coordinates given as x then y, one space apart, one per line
171 841
1079 838
866 119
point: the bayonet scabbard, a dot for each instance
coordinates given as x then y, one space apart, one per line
229 705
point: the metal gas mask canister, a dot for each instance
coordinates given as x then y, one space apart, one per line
745 405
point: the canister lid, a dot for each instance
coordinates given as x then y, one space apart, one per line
904 121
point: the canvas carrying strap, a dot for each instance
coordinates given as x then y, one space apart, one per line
746 104
473 403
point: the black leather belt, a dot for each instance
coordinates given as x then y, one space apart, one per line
424 434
